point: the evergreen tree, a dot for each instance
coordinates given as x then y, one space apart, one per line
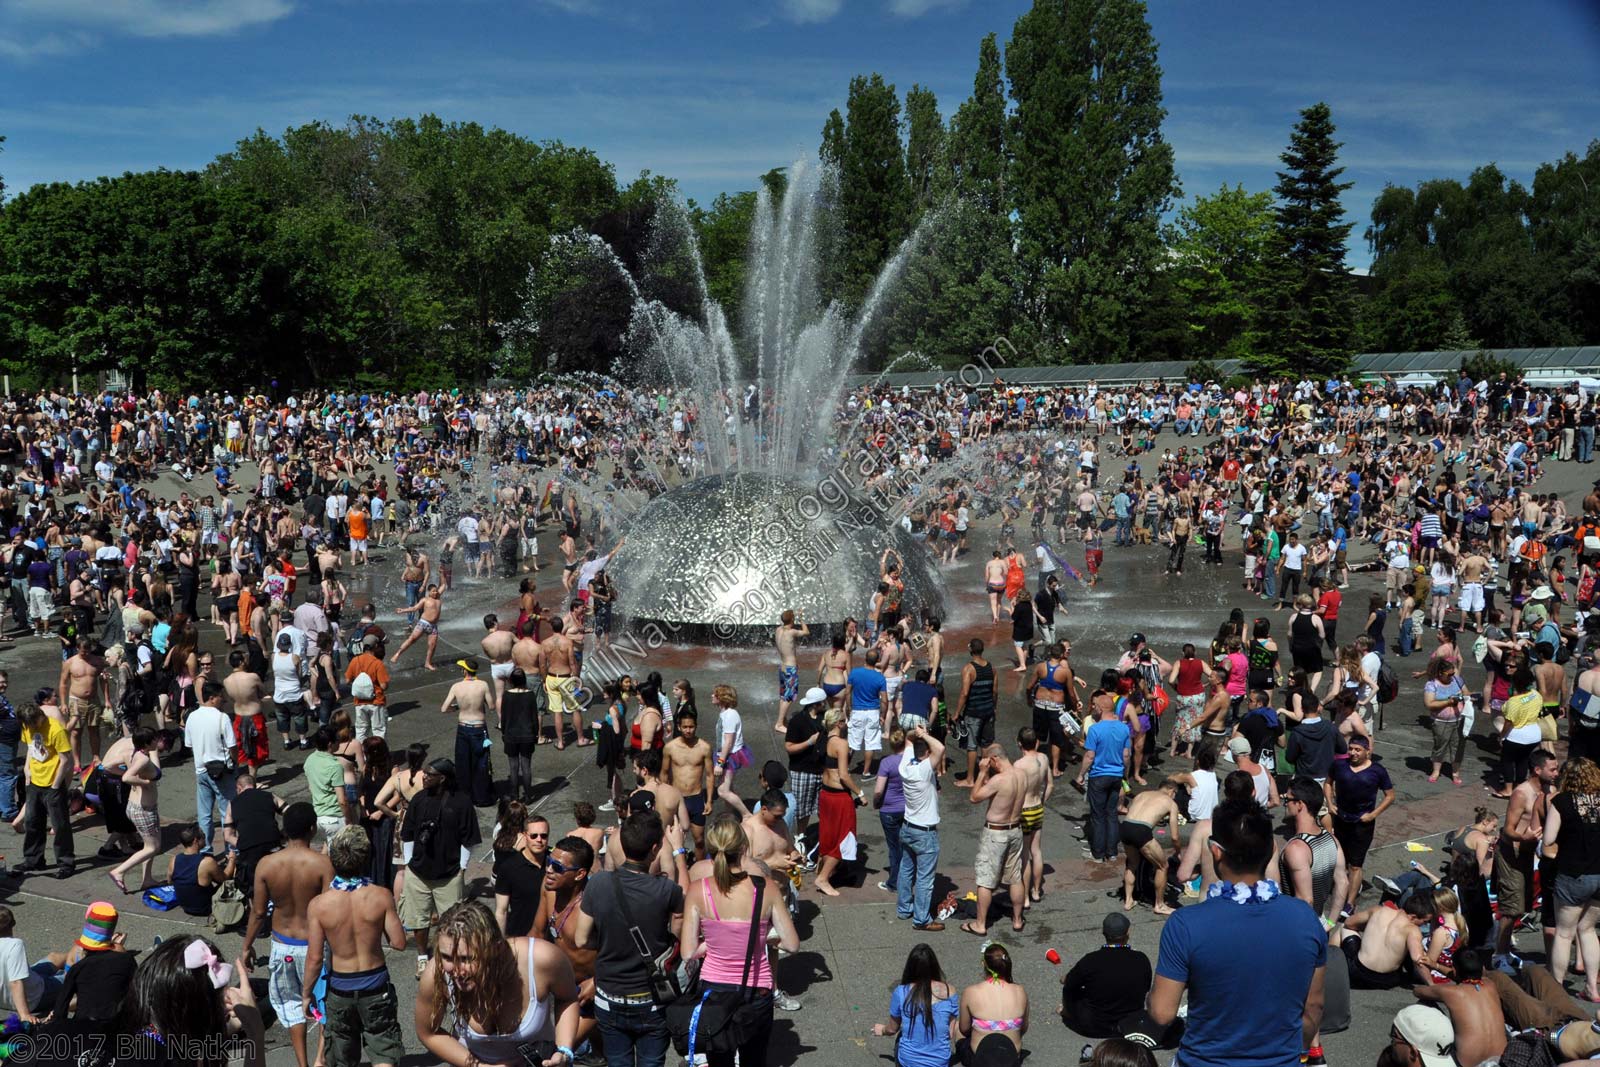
1090 174
831 151
1314 316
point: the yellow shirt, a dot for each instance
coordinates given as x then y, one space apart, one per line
1524 708
45 752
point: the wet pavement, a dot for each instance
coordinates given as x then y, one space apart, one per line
853 947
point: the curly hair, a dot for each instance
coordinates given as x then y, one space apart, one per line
1580 776
472 928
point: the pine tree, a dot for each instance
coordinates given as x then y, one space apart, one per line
1090 174
1314 316
831 151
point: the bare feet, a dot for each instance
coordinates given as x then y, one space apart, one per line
826 889
1127 905
1162 909
430 666
117 881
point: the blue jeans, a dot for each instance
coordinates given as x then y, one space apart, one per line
892 821
1408 638
632 1035
8 781
413 593
1125 530
1585 443
1269 583
209 790
919 854
1103 832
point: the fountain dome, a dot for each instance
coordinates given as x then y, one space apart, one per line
723 556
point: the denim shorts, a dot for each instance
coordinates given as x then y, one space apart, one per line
1574 890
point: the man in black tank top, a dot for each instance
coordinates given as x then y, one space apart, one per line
975 708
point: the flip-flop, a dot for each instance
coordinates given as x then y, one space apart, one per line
117 881
966 928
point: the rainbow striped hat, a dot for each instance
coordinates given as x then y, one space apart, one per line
99 923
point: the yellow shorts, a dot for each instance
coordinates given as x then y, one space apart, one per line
559 692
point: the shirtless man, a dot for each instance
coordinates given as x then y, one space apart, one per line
497 644
427 611
328 558
246 692
688 763
1000 846
669 801
1520 834
566 875
560 678
790 630
1038 784
470 699
1475 1012
893 656
288 880
83 680
1383 945
1551 679
355 920
569 554
1146 812
415 574
933 648
1470 570
994 580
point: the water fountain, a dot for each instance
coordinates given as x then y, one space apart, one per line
771 526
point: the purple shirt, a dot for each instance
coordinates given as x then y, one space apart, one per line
894 792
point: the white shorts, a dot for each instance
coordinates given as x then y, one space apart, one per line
501 670
891 687
41 606
358 545
1471 596
866 732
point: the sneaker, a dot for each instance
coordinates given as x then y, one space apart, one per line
607 806
1386 884
887 888
1086 1054
1314 1058
784 1002
422 965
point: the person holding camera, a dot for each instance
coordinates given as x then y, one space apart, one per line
1447 699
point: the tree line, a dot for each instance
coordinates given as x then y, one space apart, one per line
1046 209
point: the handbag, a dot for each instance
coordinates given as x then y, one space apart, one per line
662 967
228 906
719 1020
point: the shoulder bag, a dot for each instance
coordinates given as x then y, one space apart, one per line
720 1020
662 967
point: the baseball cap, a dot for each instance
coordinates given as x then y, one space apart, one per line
1239 746
99 923
1429 1032
371 641
1115 926
641 800
814 695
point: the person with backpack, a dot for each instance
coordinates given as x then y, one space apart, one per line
440 830
368 676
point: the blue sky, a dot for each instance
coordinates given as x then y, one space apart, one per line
713 93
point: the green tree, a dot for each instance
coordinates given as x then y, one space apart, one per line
1315 313
831 150
1090 174
977 136
874 197
1564 221
1221 264
926 169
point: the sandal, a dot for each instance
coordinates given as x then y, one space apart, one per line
966 928
116 880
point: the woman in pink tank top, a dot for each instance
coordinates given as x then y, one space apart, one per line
717 915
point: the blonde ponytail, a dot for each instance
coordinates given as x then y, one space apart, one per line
726 841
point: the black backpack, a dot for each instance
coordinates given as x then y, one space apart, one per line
1388 684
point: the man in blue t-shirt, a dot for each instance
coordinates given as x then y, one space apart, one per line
1105 759
867 708
1246 1008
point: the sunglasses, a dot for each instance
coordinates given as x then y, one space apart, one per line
557 867
545 835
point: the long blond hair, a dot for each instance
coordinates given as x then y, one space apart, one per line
1445 902
726 842
472 925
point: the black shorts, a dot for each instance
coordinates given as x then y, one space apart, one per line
1363 978
1137 834
1047 727
979 732
1355 838
697 808
1549 870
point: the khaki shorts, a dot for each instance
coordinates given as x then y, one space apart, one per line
423 899
999 857
1513 877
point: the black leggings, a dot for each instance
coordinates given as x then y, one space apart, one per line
1515 760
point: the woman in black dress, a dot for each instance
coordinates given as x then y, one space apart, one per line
1305 639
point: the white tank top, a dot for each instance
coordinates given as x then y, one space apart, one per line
1203 797
286 685
536 1024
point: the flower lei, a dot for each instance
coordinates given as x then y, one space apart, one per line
1239 893
350 885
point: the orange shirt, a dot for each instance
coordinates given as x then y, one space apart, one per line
247 608
374 668
358 524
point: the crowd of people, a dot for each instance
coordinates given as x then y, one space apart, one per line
1259 806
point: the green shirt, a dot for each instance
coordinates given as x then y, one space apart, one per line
325 776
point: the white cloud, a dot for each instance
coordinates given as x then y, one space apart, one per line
811 10
911 9
151 18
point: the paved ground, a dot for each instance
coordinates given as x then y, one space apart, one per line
853 948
